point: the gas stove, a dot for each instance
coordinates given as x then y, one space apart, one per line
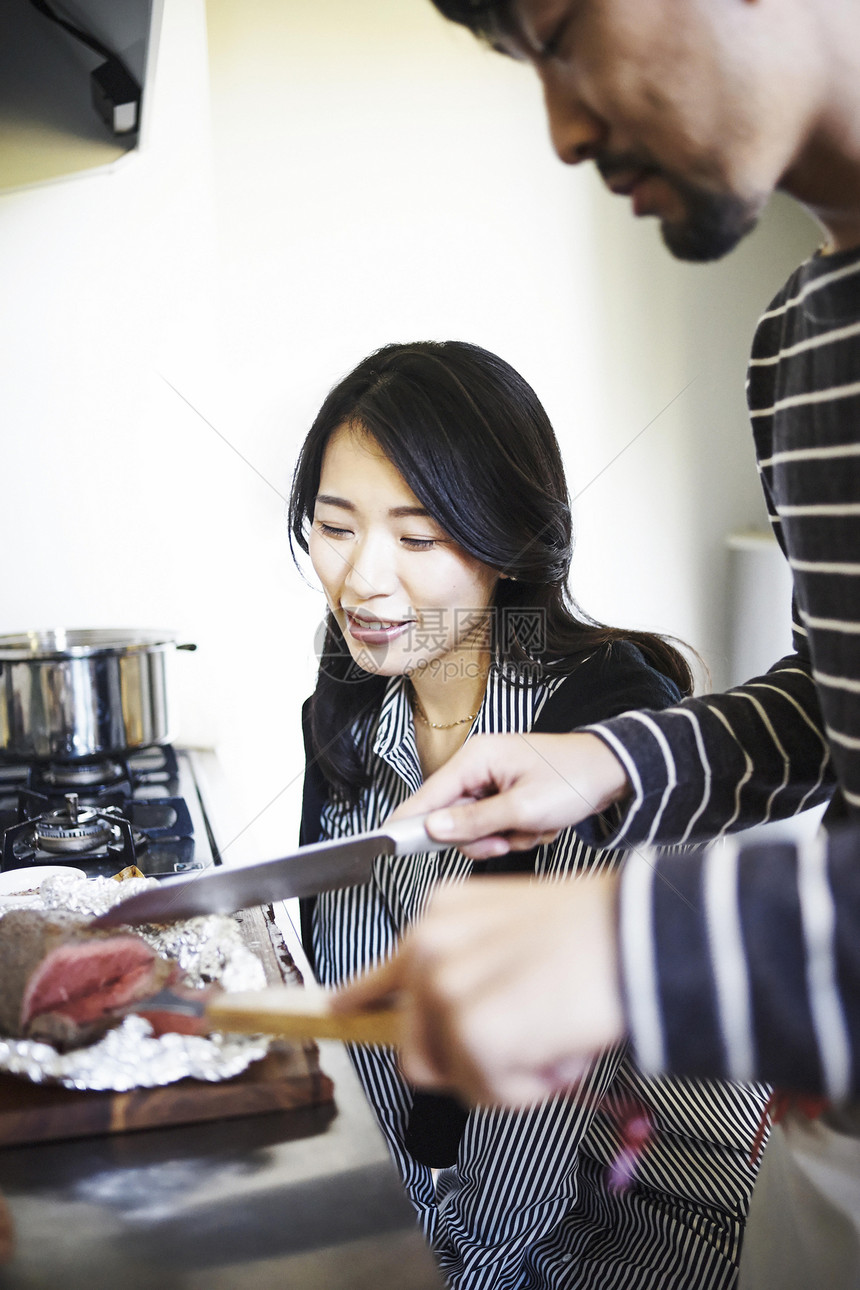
103 816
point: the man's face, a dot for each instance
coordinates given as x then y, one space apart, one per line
667 98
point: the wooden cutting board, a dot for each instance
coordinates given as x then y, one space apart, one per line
289 1076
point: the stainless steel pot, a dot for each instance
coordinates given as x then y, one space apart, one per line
73 694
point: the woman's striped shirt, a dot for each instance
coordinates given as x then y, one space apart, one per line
775 932
531 1201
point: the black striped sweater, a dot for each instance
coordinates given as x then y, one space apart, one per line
531 1201
759 940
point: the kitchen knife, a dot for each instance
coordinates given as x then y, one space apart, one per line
287 1011
324 866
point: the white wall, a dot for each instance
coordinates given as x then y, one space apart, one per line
334 175
676 336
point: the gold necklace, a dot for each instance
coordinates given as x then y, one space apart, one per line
435 725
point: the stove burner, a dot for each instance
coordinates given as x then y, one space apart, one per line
149 817
83 774
72 833
71 830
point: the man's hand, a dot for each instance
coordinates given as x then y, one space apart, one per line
509 987
504 793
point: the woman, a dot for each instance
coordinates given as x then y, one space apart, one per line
430 495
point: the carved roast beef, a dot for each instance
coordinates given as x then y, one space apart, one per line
66 983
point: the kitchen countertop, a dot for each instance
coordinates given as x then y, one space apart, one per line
294 1200
306 1199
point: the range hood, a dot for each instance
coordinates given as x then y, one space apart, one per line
51 122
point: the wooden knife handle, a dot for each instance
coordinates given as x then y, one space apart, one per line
301 1014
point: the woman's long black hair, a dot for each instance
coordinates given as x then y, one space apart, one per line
474 444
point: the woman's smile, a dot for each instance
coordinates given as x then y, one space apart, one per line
375 631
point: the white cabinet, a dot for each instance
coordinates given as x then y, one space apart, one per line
759 604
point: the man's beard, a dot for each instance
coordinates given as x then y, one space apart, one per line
713 224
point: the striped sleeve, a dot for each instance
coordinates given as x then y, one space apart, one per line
724 762
744 962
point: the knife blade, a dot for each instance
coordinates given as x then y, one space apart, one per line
323 866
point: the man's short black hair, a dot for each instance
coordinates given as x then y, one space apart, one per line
488 19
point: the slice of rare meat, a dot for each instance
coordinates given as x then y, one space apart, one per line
65 982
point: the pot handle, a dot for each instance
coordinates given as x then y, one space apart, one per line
178 647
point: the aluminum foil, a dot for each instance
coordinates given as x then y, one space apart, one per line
209 950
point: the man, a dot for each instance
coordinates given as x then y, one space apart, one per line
742 961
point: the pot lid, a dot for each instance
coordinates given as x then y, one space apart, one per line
62 642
